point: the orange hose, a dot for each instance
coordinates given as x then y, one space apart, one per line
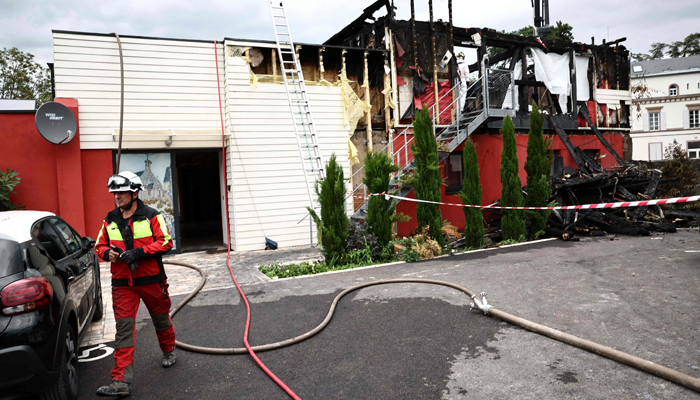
228 255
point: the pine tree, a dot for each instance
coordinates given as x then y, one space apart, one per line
471 194
512 224
380 211
538 166
333 224
427 178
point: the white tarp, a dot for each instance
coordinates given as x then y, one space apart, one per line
553 70
583 91
507 102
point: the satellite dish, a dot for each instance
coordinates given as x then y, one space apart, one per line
55 123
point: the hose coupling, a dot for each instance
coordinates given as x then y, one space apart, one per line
481 305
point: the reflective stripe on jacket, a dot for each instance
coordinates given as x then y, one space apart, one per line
146 229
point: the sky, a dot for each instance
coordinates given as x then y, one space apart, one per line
27 24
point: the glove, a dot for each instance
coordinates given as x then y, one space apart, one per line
131 256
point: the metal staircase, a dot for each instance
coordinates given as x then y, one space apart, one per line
468 120
294 85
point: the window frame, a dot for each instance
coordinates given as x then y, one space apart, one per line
656 127
454 189
695 125
696 150
671 87
662 150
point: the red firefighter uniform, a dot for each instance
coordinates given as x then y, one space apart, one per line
147 232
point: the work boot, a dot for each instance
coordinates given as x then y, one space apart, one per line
116 388
169 359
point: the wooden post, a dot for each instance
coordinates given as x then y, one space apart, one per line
572 77
274 64
413 35
436 86
524 90
452 50
321 69
369 101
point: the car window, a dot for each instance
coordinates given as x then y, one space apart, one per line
68 234
48 238
10 258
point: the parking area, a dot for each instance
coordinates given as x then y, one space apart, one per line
635 294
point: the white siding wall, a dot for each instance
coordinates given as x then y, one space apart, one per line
172 84
168 84
269 190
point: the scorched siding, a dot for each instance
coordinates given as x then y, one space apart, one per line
269 189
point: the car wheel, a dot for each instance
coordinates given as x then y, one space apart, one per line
66 388
99 308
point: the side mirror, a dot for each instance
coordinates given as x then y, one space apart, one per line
87 244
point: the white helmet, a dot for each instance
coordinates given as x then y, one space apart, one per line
124 181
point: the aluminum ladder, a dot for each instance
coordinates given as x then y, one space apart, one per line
303 122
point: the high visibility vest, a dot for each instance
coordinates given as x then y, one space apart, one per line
145 229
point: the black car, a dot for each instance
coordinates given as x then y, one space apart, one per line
49 293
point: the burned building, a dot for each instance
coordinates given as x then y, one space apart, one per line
582 87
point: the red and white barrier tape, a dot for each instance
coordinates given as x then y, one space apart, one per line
622 204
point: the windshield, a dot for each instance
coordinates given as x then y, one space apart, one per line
10 258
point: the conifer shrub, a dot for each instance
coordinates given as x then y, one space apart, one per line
538 167
333 223
427 178
512 223
380 212
471 194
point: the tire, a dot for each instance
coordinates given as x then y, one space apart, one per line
99 308
66 387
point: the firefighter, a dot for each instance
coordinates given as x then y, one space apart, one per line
133 238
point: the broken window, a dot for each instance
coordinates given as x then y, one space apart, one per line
654 121
453 173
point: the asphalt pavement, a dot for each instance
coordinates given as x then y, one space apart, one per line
416 341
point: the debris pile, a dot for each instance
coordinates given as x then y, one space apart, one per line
590 184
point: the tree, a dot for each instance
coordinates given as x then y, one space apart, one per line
427 178
512 224
560 31
538 166
23 78
471 194
333 224
380 211
690 46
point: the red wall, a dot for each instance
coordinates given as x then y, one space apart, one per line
97 168
24 150
60 179
488 150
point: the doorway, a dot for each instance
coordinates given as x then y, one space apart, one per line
199 195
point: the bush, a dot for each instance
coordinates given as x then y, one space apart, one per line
538 166
380 212
677 165
427 178
512 224
360 238
425 246
471 194
333 223
8 181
